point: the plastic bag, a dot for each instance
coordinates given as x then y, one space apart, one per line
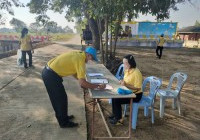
123 91
19 58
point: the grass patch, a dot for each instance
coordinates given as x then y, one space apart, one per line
52 37
60 37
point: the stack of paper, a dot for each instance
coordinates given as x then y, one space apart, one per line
95 74
99 81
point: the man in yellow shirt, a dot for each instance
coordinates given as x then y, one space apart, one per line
70 63
160 46
132 80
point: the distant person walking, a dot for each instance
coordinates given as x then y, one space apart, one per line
26 47
160 43
129 33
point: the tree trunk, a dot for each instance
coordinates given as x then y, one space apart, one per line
116 37
116 33
95 33
101 44
111 38
106 51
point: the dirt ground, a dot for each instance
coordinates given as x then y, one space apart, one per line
172 126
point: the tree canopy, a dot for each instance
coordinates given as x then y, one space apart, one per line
17 24
102 13
197 23
7 6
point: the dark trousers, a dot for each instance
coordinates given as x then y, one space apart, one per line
117 108
24 58
57 95
159 48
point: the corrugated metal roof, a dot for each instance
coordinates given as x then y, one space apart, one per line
190 29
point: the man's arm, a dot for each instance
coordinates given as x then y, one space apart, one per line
31 45
85 84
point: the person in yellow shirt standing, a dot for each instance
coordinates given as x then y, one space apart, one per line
160 46
26 47
129 33
133 81
70 63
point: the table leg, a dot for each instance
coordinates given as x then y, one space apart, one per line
93 110
130 117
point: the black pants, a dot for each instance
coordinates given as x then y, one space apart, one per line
157 49
24 58
57 95
117 108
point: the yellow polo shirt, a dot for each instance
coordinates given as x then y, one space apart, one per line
161 41
25 43
133 77
70 63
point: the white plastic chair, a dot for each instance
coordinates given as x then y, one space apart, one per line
172 93
146 101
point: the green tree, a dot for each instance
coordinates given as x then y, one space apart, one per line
6 5
80 24
197 23
35 27
102 13
17 24
67 29
2 20
51 26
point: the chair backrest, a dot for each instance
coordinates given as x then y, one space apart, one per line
154 84
181 78
120 72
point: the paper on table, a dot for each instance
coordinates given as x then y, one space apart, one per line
108 87
95 74
99 81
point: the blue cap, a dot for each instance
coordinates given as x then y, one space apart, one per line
92 51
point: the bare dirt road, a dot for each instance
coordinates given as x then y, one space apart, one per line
26 112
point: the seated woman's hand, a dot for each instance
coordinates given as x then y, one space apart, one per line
122 82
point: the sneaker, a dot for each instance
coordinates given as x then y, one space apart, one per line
69 125
70 117
116 122
31 66
111 117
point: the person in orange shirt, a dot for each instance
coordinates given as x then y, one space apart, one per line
26 47
70 63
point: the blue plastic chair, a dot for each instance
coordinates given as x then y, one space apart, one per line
120 72
146 101
170 93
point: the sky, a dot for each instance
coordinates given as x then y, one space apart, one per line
185 16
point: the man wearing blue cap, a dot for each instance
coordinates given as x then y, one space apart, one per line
70 63
160 43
